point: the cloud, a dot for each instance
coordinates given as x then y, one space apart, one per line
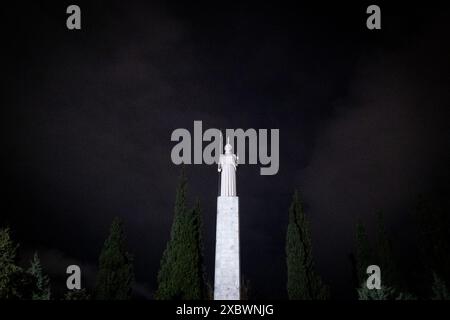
385 144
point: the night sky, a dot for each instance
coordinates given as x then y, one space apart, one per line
87 118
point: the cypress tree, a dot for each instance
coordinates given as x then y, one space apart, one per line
386 260
363 255
7 265
75 294
385 293
303 282
439 288
115 274
181 274
245 289
196 226
42 291
15 283
434 236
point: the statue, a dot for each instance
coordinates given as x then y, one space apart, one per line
227 275
227 166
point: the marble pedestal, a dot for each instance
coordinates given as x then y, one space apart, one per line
227 276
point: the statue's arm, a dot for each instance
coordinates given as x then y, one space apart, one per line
219 164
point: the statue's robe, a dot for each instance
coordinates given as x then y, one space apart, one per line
228 163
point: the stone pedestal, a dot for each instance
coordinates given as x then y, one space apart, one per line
227 276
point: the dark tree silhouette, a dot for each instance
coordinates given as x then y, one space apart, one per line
385 256
363 253
15 283
434 237
181 274
77 295
42 291
303 282
115 275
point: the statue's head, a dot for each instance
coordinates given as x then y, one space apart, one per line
228 148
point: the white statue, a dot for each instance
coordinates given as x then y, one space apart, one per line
227 166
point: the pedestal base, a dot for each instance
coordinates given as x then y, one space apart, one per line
227 277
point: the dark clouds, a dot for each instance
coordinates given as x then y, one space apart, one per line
386 144
88 119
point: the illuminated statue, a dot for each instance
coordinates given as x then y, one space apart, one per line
227 166
227 276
